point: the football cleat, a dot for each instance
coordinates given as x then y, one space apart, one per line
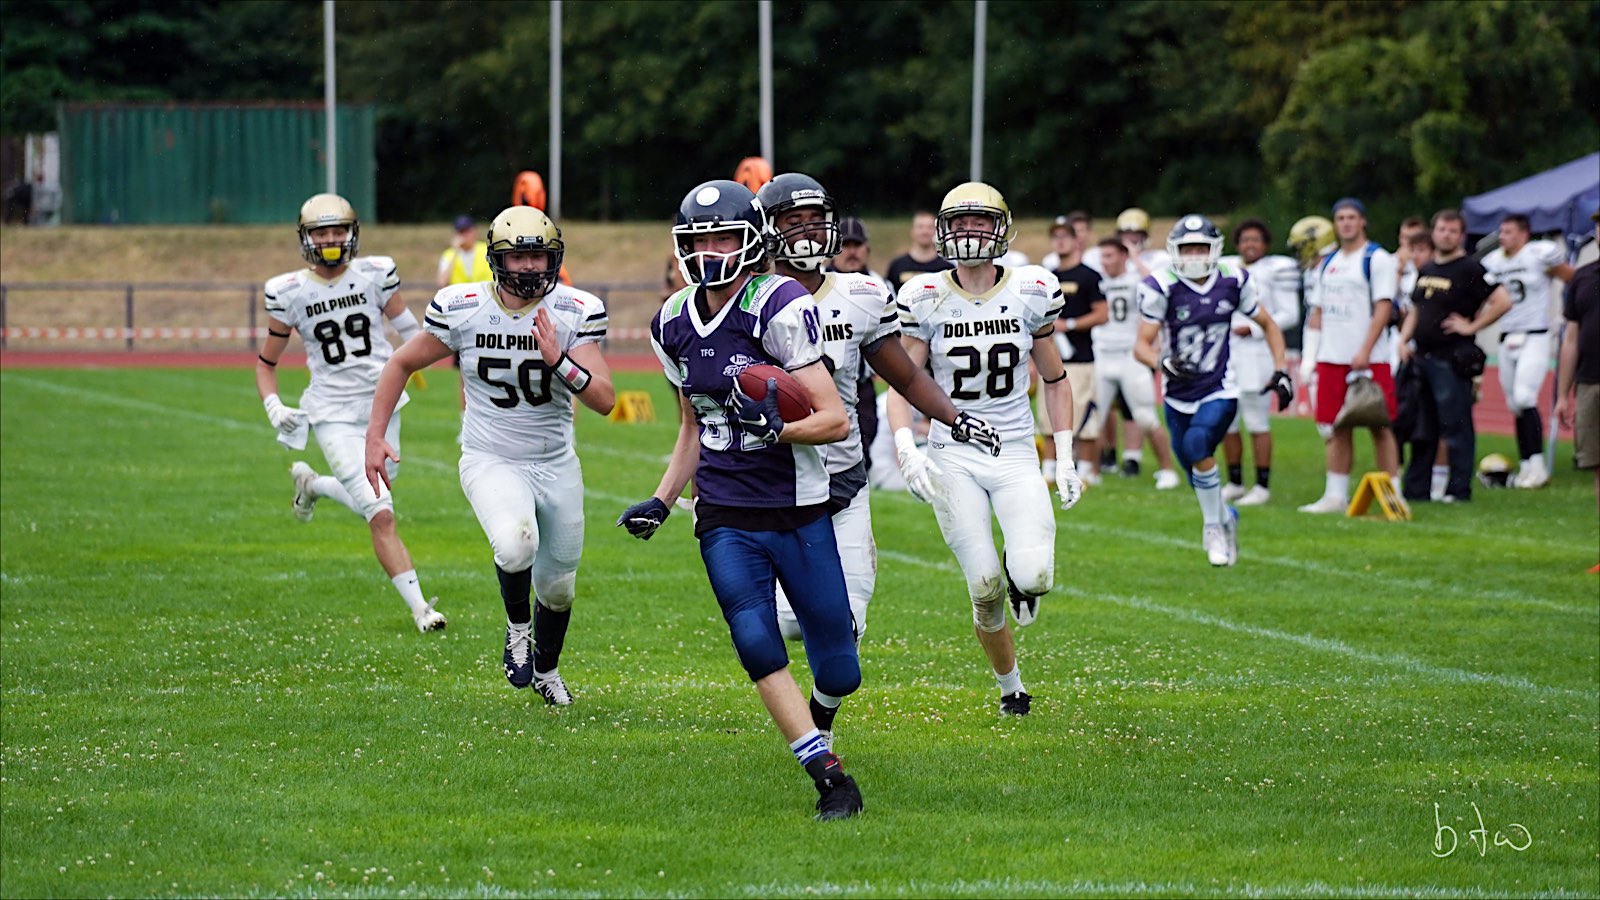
1017 704
1256 496
1325 506
519 654
1130 467
1231 528
428 618
1166 480
1215 539
1232 492
838 798
553 689
1532 474
305 502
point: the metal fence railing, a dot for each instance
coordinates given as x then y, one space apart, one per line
204 314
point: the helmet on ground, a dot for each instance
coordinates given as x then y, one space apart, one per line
967 245
1494 471
1311 238
1194 229
321 211
711 208
808 245
525 229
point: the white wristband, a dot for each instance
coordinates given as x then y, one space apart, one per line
1064 444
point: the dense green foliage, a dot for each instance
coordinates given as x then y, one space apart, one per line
1172 105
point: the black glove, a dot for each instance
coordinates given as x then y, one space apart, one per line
642 519
1179 369
758 418
1283 387
968 428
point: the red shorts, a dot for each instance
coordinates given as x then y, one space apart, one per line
1331 385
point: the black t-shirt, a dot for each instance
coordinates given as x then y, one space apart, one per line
1582 305
1458 286
1080 289
903 267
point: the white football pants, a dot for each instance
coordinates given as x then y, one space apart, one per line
1524 360
1251 361
532 514
344 445
858 554
1120 371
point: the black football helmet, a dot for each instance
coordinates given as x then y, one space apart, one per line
1195 229
718 206
807 246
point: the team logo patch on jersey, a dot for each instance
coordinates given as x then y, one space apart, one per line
739 363
1183 313
1225 306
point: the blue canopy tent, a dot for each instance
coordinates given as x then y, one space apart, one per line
1560 199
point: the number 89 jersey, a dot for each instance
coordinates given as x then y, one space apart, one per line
978 344
517 409
341 324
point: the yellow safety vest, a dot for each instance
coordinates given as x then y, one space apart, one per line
459 273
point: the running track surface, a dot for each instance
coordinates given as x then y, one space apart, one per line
1490 415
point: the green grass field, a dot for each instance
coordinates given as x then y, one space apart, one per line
202 696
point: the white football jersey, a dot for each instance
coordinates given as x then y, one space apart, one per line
1526 277
1118 333
517 409
341 324
1346 299
979 344
1277 283
857 312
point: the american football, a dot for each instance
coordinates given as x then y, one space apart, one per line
794 401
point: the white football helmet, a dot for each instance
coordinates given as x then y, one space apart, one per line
1194 229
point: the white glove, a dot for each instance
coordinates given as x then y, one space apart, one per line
921 473
1308 354
1069 486
283 418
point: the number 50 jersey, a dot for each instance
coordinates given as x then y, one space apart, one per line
517 409
978 344
341 324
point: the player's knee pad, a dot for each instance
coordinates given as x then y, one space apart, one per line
989 603
1196 445
1031 569
515 545
838 674
556 589
758 643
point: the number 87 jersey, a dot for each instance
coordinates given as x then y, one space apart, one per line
341 324
978 344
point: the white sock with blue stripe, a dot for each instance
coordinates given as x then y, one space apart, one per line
1208 490
809 746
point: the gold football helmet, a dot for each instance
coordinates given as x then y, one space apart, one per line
968 246
1311 239
525 228
321 211
1133 219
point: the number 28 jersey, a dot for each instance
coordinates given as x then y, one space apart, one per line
341 324
978 344
517 409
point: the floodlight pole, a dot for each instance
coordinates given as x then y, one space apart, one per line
555 111
765 8
331 126
979 34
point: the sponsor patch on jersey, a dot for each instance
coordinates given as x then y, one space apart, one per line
1036 287
565 304
467 302
870 288
1225 306
738 363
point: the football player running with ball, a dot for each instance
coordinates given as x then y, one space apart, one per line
762 514
859 321
338 306
528 346
978 325
1194 299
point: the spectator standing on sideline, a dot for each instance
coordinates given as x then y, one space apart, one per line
1083 307
1448 307
1526 269
466 259
922 257
1347 334
1578 375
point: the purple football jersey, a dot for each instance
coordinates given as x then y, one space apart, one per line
1198 320
772 321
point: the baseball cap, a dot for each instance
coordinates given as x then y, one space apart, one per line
1060 222
463 222
852 229
1351 202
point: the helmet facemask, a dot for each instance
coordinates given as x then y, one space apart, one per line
1191 231
711 268
531 284
969 246
322 211
804 245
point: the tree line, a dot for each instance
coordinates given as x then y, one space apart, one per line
1267 107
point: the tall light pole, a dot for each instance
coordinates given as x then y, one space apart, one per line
766 83
555 110
331 125
979 31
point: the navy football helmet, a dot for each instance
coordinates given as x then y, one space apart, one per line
808 245
713 207
1194 229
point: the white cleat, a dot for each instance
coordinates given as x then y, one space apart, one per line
1215 539
428 618
1532 474
1325 506
305 502
1232 492
1166 480
1231 527
1256 496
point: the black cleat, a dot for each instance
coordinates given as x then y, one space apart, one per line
839 798
519 655
1130 468
1016 704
